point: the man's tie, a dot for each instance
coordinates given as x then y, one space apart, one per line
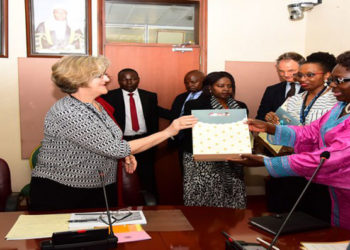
133 113
291 92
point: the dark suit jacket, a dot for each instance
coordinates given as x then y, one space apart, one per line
176 107
149 103
175 112
203 102
272 99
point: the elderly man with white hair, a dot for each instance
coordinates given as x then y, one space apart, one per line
57 34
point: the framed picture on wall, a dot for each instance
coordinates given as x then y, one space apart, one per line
3 28
58 27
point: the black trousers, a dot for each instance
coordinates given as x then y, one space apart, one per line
47 195
145 167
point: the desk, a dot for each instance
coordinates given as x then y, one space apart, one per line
207 223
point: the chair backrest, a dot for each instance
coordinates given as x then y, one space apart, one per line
5 183
131 190
34 157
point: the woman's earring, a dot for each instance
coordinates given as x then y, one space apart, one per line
325 83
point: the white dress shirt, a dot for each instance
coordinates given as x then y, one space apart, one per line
141 119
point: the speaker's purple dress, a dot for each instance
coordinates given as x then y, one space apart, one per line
329 133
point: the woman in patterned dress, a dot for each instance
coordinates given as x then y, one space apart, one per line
216 184
81 140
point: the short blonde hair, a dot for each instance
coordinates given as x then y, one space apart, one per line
73 72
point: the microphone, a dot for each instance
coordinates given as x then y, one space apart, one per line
95 239
324 156
232 244
102 178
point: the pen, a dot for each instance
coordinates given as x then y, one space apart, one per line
266 243
84 220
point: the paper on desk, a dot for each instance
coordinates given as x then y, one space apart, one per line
129 233
38 226
137 217
341 245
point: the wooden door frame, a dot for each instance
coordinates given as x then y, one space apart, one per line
202 26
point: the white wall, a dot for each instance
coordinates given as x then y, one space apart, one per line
250 30
328 27
9 104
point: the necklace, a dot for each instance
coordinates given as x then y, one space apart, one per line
305 110
347 108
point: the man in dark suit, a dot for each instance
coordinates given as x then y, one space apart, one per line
287 65
193 83
136 112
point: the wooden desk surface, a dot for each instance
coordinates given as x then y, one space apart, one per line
207 223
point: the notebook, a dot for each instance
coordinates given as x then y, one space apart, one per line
298 222
286 118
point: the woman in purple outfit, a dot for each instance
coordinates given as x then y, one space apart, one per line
329 133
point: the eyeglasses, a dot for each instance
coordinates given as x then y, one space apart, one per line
307 75
115 216
337 80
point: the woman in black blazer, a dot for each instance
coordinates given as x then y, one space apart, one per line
218 184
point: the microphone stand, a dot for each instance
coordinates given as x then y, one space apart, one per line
102 178
325 155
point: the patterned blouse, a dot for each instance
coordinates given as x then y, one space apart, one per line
321 106
78 141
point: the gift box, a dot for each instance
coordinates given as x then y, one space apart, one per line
219 134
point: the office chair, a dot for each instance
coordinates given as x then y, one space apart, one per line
8 200
24 193
132 193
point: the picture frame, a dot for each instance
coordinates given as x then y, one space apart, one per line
57 28
3 28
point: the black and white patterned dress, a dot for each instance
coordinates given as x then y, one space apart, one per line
78 141
217 184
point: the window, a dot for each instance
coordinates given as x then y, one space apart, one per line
163 23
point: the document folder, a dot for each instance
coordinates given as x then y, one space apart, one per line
298 222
